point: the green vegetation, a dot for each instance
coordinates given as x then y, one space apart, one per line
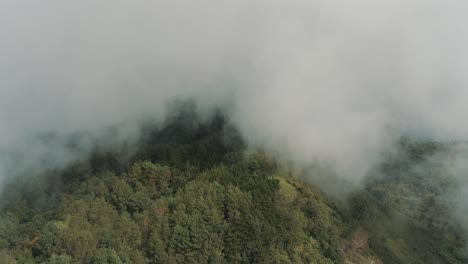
190 194
406 211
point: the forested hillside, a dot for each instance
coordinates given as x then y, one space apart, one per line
408 210
192 193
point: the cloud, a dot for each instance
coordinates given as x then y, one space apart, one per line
322 81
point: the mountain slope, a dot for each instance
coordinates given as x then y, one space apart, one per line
191 193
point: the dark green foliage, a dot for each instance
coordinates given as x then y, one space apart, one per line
196 199
238 217
191 194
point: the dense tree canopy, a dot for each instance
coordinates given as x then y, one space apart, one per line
192 194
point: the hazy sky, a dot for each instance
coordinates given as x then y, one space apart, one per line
324 80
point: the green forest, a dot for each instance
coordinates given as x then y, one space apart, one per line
192 192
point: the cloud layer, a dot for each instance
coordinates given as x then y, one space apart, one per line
322 80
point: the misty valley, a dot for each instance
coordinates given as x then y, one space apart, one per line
191 191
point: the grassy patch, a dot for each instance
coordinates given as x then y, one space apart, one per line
286 189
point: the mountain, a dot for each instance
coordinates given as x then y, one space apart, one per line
191 191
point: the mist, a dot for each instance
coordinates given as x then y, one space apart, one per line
321 81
